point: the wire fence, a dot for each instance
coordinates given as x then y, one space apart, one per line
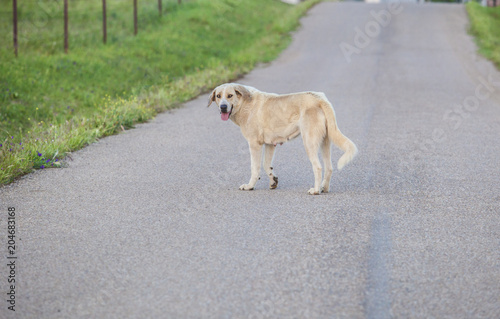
44 24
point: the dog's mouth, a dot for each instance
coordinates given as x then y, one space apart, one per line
225 115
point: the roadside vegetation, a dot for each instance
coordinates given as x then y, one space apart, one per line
53 103
485 26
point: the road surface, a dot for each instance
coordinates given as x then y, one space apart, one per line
150 223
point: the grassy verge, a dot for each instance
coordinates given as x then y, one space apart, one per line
485 26
52 103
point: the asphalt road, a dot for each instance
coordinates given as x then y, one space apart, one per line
150 223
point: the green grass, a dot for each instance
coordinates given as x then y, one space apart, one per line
53 103
485 26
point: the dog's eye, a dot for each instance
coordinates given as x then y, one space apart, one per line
218 96
229 96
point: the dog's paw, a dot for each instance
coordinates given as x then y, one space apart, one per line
274 184
312 191
325 187
246 187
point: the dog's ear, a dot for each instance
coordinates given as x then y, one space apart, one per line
211 98
242 92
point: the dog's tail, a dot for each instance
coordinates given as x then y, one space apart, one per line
336 136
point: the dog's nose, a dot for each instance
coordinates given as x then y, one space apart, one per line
223 108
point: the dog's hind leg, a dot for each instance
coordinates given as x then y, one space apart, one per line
256 157
327 163
268 162
313 130
312 153
312 146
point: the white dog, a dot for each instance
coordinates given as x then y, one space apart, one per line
270 119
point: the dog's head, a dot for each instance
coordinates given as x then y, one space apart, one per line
229 97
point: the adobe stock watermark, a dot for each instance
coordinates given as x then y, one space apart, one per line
372 29
455 117
42 16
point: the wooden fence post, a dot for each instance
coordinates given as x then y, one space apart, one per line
104 27
14 4
159 7
179 1
66 26
135 17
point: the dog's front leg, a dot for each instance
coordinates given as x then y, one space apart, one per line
268 162
256 157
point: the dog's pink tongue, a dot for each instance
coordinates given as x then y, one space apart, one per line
224 116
